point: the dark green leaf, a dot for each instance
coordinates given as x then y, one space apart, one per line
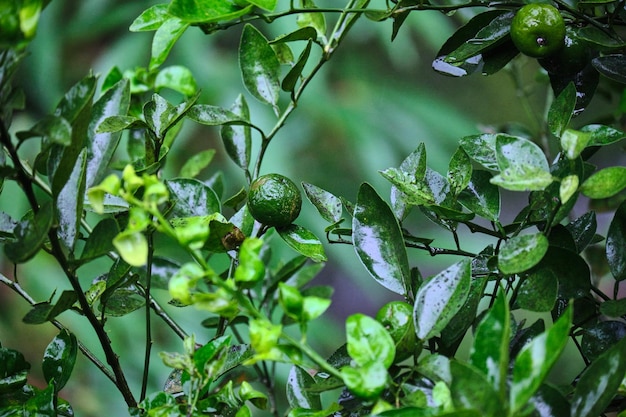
101 146
42 403
600 337
292 77
570 269
600 381
535 360
614 308
192 198
303 34
30 234
583 230
482 149
550 402
161 116
259 65
59 359
378 241
237 139
196 163
303 241
538 291
13 370
561 110
486 38
122 301
215 116
100 241
481 196
616 243
611 66
440 298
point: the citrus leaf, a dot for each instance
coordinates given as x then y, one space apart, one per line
192 198
298 394
260 68
616 244
611 66
368 341
69 204
603 135
206 11
59 359
490 351
605 183
561 110
378 241
328 205
31 235
439 299
536 359
520 253
292 77
539 290
599 382
303 241
177 78
150 19
470 389
164 39
481 196
482 149
196 163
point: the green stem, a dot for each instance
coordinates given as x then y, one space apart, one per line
148 341
321 362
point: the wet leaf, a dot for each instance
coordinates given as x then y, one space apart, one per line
536 359
13 370
69 204
259 65
616 243
328 205
237 139
164 40
601 336
603 135
481 196
482 149
303 241
522 164
368 341
471 389
151 18
440 298
177 78
482 41
196 163
550 402
59 359
378 241
611 66
31 234
561 110
599 382
192 198
490 352
571 270
459 171
539 290
298 394
121 302
206 11
520 253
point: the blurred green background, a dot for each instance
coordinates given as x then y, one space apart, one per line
366 111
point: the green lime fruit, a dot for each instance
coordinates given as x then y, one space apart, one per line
397 318
274 200
571 59
538 30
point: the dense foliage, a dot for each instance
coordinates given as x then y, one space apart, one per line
101 198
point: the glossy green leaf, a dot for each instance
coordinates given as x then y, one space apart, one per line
46 311
101 146
314 20
472 390
482 149
76 107
328 205
69 204
302 34
260 68
53 129
603 135
303 241
294 74
568 188
331 410
151 18
214 116
59 359
601 336
583 230
368 341
535 360
616 244
439 299
164 39
605 183
378 241
206 11
161 116
367 381
520 253
599 382
121 302
486 38
481 196
13 370
561 110
196 163
237 139
550 402
409 191
522 165
177 78
490 352
613 308
192 198
459 171
573 142
31 233
42 403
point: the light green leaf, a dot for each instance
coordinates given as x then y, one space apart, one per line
573 142
196 163
568 187
605 183
206 11
368 341
164 39
132 247
150 19
520 253
303 241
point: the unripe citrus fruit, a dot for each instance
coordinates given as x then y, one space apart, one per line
538 30
274 200
397 318
570 59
